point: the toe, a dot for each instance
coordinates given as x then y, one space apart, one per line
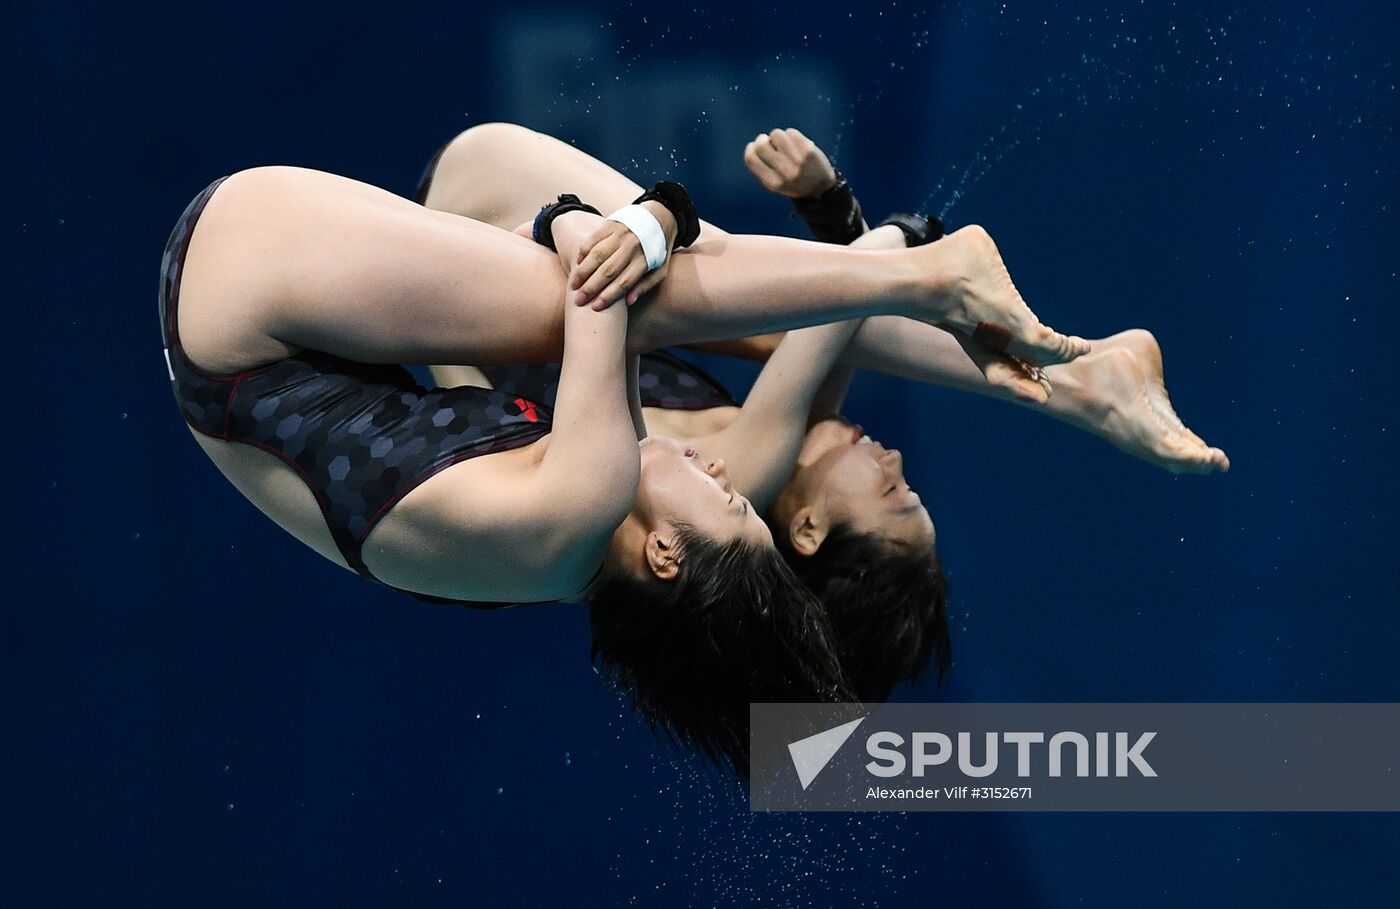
1045 347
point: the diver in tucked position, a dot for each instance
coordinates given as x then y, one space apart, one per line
288 298
845 519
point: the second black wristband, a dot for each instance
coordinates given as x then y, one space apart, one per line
834 216
677 201
918 229
543 231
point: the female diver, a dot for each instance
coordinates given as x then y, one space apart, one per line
290 296
870 558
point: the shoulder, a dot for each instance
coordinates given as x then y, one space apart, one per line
488 529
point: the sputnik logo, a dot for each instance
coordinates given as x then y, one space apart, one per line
811 755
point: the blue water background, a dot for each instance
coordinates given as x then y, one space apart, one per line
197 711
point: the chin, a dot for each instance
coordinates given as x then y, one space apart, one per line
652 447
823 437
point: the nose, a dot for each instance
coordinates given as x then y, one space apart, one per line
718 471
892 456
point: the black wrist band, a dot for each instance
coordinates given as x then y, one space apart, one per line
544 221
834 216
918 229
677 201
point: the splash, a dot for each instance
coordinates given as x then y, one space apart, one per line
737 857
1264 71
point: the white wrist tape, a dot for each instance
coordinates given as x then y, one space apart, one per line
647 229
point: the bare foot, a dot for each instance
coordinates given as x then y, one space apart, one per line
1024 383
1119 393
977 297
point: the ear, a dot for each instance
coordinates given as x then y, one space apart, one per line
806 531
661 556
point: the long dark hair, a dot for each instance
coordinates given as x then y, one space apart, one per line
887 603
734 627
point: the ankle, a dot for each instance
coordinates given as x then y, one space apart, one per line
929 284
894 281
1080 394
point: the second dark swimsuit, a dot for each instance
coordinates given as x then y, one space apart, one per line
665 381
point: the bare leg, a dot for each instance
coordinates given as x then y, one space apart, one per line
502 173
1117 392
286 258
311 260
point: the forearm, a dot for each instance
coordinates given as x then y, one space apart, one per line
832 395
762 443
592 435
783 395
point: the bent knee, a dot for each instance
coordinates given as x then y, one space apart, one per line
473 176
487 142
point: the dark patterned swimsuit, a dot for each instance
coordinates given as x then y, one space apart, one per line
665 381
360 436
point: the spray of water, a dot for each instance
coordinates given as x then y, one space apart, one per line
1250 68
